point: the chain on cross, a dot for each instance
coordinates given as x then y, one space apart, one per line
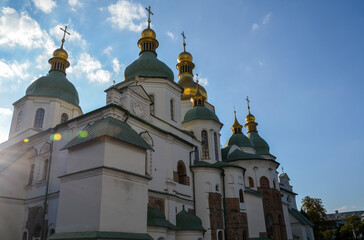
248 101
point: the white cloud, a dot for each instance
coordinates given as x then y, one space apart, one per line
202 81
5 121
128 15
107 50
20 29
345 208
267 18
92 68
14 70
255 26
116 65
45 5
6 111
100 76
171 35
74 3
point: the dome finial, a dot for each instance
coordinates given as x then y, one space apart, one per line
250 125
236 127
59 60
199 98
64 35
184 41
149 12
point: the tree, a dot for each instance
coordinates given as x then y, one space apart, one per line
315 211
353 228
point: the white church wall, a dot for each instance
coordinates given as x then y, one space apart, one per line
206 180
11 215
255 213
287 222
80 203
124 200
188 235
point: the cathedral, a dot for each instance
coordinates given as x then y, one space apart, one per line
146 165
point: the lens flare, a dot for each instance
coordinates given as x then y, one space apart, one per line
26 140
83 134
56 137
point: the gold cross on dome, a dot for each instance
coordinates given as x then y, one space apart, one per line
64 34
149 12
184 42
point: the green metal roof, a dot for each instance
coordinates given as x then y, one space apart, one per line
101 235
239 139
300 217
187 221
241 155
111 127
260 145
55 84
252 191
158 219
148 65
215 165
200 112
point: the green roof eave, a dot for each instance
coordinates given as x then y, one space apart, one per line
157 218
101 235
111 127
241 155
253 192
300 217
218 165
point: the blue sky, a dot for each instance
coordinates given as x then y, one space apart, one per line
300 62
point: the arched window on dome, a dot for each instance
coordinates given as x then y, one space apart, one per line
241 196
251 182
39 117
264 182
205 145
171 102
216 147
64 117
18 121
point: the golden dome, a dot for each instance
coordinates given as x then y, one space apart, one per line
190 87
184 56
60 53
250 118
148 32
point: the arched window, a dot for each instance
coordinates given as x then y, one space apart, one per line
151 96
19 120
31 173
216 147
45 169
39 117
251 182
25 236
264 182
64 117
52 232
205 145
274 184
181 171
241 196
219 236
172 108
